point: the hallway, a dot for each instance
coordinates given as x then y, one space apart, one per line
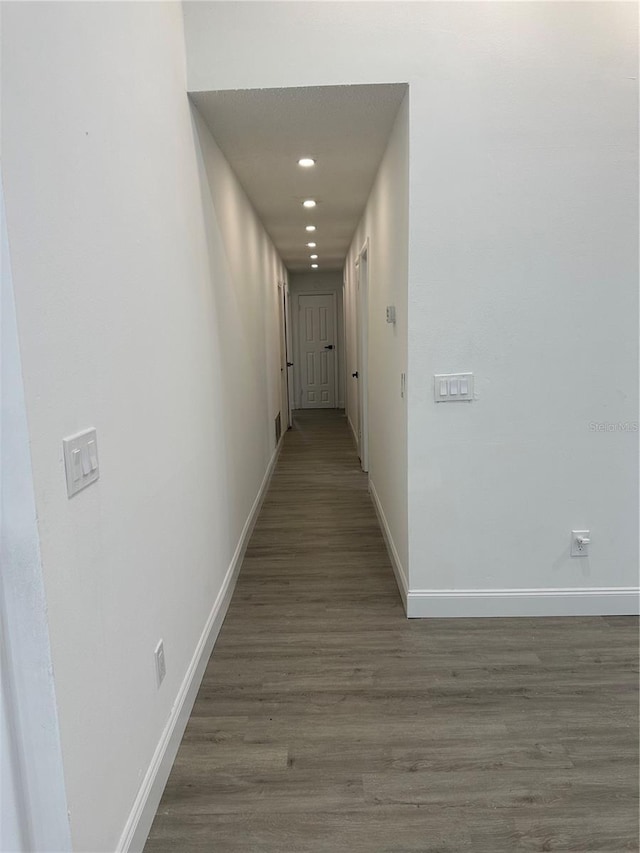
327 721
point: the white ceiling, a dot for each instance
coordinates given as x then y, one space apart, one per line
263 133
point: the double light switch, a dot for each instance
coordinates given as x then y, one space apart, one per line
81 460
452 387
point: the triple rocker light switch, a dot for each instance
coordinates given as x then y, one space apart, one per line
453 387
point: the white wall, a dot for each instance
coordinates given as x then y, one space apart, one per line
385 226
146 304
525 272
244 274
522 269
318 282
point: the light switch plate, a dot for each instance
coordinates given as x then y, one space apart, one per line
80 460
453 387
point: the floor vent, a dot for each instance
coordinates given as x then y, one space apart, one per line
278 427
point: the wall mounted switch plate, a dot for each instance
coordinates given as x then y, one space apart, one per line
81 460
453 387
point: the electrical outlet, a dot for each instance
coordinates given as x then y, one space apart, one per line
161 666
580 541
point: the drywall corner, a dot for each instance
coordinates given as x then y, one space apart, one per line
27 678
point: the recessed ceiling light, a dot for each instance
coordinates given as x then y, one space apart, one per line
313 257
309 202
310 228
306 162
314 266
312 245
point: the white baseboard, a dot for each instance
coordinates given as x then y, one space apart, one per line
353 431
146 803
457 603
398 569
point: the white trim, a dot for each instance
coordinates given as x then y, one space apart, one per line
362 346
353 431
32 760
398 570
595 601
288 340
144 809
336 347
345 349
284 324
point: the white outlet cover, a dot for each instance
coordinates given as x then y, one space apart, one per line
578 549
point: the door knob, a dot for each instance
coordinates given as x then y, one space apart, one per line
329 347
355 375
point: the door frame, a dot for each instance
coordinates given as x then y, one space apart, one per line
362 350
284 330
289 353
336 384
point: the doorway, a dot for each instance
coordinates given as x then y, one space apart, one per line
286 365
362 350
317 350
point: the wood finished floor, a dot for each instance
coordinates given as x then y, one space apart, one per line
326 721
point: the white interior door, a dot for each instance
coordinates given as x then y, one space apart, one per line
317 350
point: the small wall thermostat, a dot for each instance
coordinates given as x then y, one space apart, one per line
391 313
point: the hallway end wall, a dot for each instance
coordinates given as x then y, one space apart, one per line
320 282
146 299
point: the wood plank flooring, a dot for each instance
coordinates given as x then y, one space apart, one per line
327 721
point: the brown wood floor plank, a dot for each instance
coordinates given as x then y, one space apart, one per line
326 721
